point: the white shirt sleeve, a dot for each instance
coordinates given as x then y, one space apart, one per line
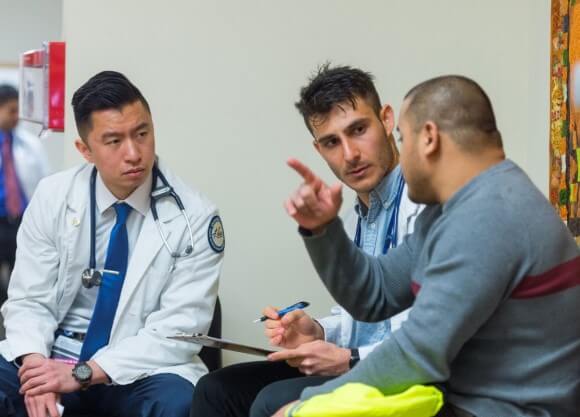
332 325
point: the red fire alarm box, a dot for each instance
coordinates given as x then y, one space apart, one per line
42 74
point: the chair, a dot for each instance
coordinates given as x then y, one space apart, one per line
211 357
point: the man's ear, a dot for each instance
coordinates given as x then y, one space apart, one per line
430 139
84 150
387 116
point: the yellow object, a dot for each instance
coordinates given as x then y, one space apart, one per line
359 400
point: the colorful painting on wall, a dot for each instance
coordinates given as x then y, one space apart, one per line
565 112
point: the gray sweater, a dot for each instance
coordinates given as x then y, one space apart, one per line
494 279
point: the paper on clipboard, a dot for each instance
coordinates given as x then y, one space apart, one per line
214 342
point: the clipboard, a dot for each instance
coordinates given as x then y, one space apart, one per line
214 342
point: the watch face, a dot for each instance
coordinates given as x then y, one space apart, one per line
82 372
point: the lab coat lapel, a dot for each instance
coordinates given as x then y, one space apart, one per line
147 248
75 239
148 245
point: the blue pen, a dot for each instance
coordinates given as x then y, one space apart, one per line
297 306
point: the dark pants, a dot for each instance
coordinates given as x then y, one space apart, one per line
449 410
230 391
163 395
259 389
8 230
280 393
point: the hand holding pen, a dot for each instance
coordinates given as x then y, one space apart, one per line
298 306
291 328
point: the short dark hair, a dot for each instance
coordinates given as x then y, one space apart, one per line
332 86
7 93
105 90
459 106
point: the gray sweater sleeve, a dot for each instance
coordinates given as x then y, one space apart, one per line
370 299
464 278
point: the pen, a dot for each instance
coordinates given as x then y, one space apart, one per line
297 306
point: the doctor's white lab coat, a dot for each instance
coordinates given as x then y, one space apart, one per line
160 296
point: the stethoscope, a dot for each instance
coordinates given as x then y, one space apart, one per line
391 236
92 276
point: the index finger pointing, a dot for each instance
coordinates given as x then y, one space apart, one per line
303 170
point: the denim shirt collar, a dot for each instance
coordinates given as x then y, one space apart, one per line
382 196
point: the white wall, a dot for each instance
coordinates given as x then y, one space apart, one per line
25 24
222 76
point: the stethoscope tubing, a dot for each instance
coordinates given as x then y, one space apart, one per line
156 194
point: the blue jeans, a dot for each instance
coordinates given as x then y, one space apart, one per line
163 395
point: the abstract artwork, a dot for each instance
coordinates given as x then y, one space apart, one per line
565 112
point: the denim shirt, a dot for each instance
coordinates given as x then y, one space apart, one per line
375 219
374 222
340 328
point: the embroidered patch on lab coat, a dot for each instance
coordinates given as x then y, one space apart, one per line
215 234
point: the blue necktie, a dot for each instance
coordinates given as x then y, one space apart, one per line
110 289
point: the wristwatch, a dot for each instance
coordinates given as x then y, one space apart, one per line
83 373
354 358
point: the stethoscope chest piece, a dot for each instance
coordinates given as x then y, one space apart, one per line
91 278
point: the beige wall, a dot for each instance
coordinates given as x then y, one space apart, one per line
25 24
222 76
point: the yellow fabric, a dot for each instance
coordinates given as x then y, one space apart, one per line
359 400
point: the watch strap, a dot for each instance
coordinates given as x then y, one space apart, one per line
354 358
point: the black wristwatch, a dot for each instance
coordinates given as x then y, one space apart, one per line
83 373
354 358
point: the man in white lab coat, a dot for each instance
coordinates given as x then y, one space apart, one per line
100 344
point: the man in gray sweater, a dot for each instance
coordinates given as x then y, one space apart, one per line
492 273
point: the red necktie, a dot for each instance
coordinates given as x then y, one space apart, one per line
12 195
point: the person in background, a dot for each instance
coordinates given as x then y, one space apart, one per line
23 163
